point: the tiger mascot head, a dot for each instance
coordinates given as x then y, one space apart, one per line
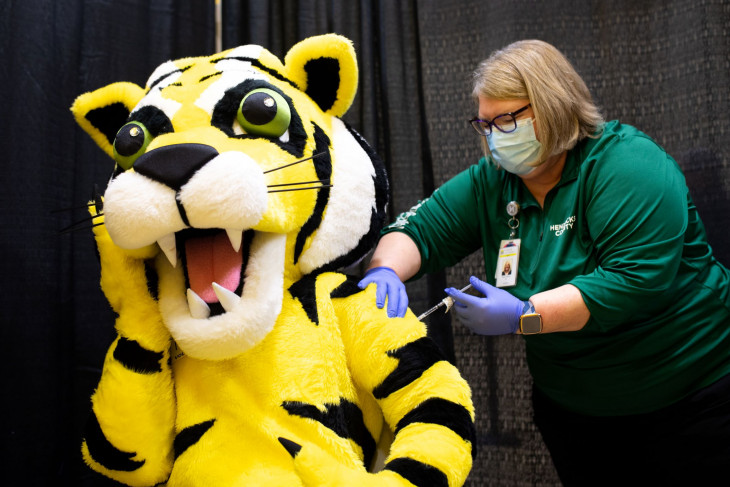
239 170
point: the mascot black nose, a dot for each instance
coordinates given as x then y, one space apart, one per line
174 165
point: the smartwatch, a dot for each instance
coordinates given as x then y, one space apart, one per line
530 322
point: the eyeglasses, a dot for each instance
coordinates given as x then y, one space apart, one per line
505 122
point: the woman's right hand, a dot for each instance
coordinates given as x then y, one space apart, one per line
388 285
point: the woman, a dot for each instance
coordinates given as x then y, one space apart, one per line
625 312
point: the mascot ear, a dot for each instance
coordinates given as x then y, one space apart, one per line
102 113
325 68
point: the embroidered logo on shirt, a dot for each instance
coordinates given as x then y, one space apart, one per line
562 227
402 219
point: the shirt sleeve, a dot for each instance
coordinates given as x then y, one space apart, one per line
636 210
445 226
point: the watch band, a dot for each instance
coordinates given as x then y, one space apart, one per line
530 321
528 308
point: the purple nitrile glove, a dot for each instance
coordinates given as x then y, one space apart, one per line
496 314
389 285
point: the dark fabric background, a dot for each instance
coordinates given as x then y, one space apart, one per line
663 66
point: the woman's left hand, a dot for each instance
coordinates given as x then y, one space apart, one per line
498 313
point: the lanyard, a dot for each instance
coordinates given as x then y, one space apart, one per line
509 251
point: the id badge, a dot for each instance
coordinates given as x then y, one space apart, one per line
507 263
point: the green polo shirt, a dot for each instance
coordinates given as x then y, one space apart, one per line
621 227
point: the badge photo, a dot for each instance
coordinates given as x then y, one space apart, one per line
507 263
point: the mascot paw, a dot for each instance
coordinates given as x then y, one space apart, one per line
316 468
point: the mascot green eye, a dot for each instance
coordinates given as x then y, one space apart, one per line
130 143
264 112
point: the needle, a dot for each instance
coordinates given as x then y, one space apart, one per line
447 301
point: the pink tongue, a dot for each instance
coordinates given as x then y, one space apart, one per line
209 260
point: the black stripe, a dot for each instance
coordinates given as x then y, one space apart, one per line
293 448
305 292
154 120
181 210
208 76
224 115
377 215
160 78
413 360
347 288
152 279
136 358
106 454
418 473
445 413
257 63
190 436
345 419
358 431
323 168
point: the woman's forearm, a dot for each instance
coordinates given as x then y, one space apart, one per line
562 309
397 251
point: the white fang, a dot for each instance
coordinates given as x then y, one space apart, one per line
168 246
235 236
228 299
198 308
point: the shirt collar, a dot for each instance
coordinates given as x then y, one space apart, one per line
517 191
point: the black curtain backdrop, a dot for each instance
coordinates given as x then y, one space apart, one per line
663 66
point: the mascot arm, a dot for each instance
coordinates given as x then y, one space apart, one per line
129 435
423 398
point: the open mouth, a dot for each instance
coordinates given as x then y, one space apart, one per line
242 308
214 264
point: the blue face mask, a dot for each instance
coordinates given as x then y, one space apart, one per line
515 150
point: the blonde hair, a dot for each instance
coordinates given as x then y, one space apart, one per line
562 104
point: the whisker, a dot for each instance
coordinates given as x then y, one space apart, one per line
78 229
298 189
323 181
295 162
72 227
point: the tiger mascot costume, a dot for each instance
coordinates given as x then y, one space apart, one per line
242 357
